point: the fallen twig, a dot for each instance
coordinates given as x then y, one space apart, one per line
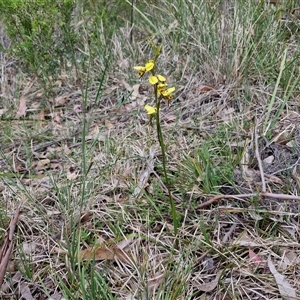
262 194
7 247
219 197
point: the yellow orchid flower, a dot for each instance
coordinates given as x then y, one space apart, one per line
143 69
167 93
150 109
158 78
161 87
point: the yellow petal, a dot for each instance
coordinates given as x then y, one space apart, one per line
161 87
161 78
168 91
139 68
150 109
153 79
149 65
171 90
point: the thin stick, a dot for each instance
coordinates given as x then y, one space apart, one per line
6 249
219 197
238 197
260 166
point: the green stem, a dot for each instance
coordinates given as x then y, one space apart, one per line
164 162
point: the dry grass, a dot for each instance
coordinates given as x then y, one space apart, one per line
75 160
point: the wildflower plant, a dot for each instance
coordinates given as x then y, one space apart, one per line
161 92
